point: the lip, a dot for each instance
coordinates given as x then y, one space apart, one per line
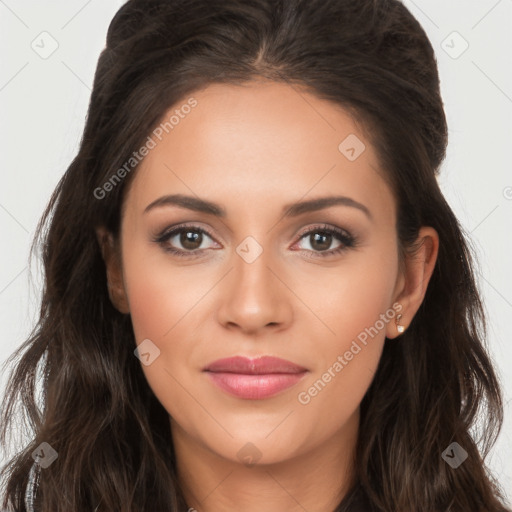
254 379
256 366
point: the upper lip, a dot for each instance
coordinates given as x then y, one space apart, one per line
257 366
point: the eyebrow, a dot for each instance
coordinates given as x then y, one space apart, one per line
289 210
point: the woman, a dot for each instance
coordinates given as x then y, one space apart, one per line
256 295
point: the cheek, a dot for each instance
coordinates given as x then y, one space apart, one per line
160 301
165 303
356 306
160 295
350 297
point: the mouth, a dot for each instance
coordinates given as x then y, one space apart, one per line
254 379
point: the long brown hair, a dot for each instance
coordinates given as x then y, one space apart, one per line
433 383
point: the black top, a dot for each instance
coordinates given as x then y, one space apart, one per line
355 501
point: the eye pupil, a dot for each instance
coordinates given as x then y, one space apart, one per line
188 239
324 239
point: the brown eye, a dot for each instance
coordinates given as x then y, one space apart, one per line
321 238
190 239
320 242
184 241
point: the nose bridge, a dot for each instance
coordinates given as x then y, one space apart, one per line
253 279
254 296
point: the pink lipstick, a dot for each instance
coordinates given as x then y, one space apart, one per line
254 379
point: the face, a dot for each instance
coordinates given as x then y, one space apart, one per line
235 270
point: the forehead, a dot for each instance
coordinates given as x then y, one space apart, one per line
250 145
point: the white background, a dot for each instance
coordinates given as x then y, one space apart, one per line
43 104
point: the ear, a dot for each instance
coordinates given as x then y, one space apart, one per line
414 278
111 254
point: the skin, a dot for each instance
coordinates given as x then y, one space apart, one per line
253 149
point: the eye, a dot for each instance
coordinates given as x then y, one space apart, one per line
320 239
188 240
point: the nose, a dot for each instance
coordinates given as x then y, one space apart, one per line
254 297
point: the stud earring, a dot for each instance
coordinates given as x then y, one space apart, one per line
399 328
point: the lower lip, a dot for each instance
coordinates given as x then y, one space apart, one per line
255 387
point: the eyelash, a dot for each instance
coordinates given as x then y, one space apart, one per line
348 241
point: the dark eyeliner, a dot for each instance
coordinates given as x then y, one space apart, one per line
347 240
166 234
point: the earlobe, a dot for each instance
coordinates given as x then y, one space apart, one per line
419 268
398 325
114 274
